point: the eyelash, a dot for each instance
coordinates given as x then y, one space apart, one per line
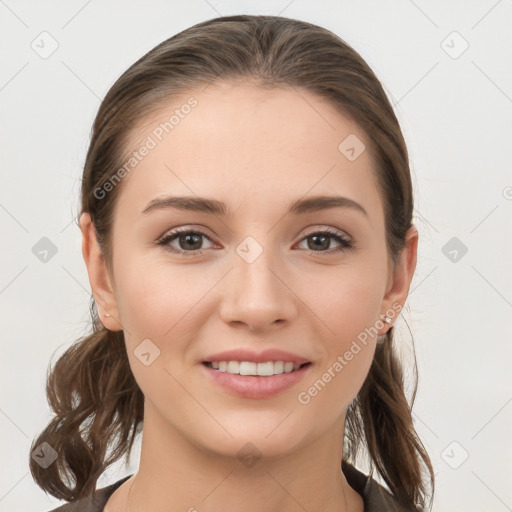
345 243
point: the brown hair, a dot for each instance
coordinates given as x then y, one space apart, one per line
91 388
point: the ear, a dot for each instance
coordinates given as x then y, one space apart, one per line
99 278
400 277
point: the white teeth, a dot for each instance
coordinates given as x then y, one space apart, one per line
249 368
264 369
288 367
233 367
279 366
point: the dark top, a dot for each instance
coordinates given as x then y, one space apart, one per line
375 497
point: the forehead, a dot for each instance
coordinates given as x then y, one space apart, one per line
248 145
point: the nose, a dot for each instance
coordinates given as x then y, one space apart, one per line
257 297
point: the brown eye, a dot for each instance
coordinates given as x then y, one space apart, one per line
189 241
320 241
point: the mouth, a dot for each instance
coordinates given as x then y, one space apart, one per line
264 369
248 379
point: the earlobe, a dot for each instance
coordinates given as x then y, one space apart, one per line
401 277
99 277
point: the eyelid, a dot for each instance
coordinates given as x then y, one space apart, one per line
315 228
204 231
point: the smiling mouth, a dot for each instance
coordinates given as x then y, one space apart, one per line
266 369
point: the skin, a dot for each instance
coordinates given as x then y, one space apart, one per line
256 150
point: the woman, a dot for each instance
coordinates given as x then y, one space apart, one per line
247 230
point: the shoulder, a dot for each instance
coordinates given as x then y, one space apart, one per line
376 498
380 500
93 503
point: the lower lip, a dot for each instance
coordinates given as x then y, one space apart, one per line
256 387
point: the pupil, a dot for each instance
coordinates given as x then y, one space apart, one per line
189 237
324 245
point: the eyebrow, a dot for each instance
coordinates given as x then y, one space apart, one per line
205 205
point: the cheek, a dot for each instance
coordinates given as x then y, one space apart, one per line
154 299
167 304
348 301
156 306
348 305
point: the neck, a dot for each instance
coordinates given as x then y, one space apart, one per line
193 479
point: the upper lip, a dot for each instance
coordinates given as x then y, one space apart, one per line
256 357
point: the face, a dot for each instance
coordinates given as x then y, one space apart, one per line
272 283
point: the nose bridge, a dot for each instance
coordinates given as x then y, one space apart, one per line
253 264
256 295
252 268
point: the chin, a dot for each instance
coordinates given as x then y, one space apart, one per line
256 439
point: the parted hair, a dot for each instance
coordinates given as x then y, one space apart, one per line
97 404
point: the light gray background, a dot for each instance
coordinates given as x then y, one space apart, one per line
455 114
